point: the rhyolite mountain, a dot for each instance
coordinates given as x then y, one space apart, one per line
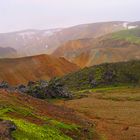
34 42
119 46
21 70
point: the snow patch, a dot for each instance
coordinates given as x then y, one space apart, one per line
16 39
132 27
125 25
26 34
46 46
115 25
51 32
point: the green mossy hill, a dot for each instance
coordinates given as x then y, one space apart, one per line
132 35
108 74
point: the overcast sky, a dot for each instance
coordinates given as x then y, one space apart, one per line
44 14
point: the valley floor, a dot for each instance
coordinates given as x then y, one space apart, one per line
115 112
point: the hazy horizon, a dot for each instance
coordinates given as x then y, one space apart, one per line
18 15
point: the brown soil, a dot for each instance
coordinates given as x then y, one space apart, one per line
115 120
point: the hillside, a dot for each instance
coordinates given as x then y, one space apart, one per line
108 74
32 118
33 42
7 52
22 70
115 47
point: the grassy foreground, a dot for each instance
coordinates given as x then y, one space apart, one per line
36 119
27 130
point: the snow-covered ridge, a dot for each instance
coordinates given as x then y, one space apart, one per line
37 34
127 26
26 33
51 32
132 27
47 32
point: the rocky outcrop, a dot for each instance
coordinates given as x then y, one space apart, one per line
40 89
6 128
44 89
4 84
56 89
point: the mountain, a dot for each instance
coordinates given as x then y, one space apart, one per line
7 52
104 75
34 42
28 42
119 46
22 70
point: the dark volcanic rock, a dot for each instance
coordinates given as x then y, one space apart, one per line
4 84
56 90
31 83
52 89
22 88
6 127
40 89
93 83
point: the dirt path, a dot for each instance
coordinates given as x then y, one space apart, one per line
115 120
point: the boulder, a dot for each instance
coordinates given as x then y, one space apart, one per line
22 88
31 83
6 128
56 89
43 83
4 85
93 83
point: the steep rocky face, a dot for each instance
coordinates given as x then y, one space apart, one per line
119 46
21 70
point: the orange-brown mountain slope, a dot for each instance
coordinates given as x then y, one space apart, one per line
119 46
21 70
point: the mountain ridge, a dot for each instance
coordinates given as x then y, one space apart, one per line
35 42
109 48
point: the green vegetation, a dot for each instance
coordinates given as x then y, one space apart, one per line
61 125
4 110
30 131
51 130
104 75
19 110
132 35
